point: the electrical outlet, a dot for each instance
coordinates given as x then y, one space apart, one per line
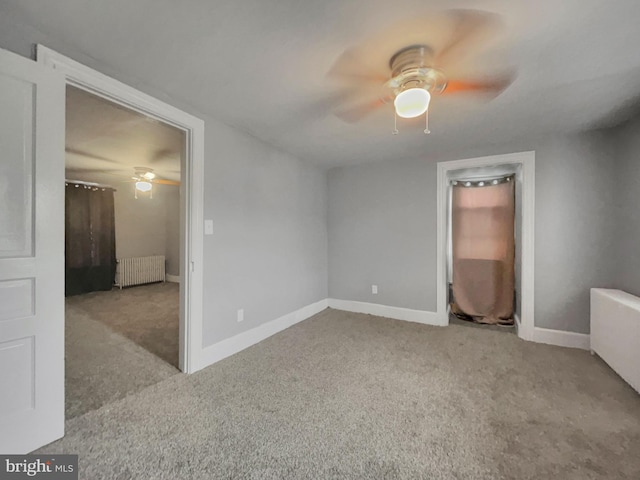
374 289
240 314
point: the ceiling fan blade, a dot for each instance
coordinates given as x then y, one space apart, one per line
165 154
82 153
471 27
321 107
122 175
356 113
165 182
492 87
350 68
93 171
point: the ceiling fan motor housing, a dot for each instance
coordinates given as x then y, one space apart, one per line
144 173
411 67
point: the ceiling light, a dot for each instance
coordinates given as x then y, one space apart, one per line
149 175
412 102
143 186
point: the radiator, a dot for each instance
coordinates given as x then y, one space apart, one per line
139 270
615 332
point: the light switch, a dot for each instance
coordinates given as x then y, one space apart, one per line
208 227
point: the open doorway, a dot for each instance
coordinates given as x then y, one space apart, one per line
191 191
122 229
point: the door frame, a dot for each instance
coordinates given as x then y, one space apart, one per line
191 191
526 160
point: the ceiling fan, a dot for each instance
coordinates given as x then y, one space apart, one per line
415 61
144 179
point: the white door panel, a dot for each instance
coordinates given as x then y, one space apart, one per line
17 299
31 254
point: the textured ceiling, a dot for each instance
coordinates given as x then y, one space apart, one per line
260 65
104 137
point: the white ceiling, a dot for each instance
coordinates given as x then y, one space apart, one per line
260 65
104 137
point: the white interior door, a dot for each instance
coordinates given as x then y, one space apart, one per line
31 254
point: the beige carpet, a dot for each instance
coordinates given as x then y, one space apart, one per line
109 340
351 396
147 314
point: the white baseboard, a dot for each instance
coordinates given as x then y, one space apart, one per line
561 338
218 351
397 313
225 348
172 278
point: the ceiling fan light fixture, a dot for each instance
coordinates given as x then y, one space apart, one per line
412 102
143 186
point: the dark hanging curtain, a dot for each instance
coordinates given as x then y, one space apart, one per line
90 239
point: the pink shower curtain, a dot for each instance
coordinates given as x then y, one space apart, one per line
483 250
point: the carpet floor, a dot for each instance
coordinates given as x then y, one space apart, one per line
109 340
147 314
352 396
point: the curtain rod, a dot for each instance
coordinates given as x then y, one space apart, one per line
89 184
483 181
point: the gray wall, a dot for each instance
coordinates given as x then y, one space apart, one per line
382 231
140 223
268 254
575 228
269 251
628 211
382 221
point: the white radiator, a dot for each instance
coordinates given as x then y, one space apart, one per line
615 332
139 270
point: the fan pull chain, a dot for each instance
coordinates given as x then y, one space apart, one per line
395 123
426 116
135 193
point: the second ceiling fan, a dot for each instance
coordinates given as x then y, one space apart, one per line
144 179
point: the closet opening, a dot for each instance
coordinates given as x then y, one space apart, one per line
484 214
